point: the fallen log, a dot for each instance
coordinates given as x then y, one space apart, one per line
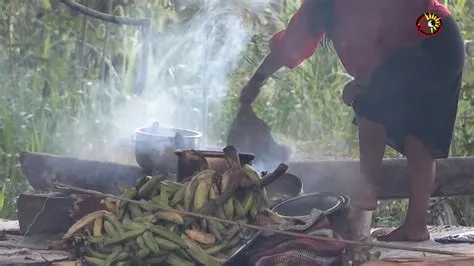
42 169
455 176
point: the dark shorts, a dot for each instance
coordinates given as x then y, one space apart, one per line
416 91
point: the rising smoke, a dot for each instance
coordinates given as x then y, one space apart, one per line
203 53
188 71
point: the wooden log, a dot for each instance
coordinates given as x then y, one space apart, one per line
38 250
455 176
53 214
42 169
13 256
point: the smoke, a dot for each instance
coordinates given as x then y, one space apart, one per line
188 74
191 64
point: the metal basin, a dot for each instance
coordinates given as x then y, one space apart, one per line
301 206
152 142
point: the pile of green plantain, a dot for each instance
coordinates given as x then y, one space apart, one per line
149 232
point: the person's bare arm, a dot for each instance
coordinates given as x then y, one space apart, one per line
288 48
266 69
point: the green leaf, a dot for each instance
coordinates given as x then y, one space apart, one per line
2 197
46 4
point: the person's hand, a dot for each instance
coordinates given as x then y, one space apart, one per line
250 92
350 92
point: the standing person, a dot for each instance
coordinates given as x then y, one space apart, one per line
405 89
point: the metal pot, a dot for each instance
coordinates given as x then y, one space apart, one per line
153 145
328 203
215 159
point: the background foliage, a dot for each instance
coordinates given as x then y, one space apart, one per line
63 76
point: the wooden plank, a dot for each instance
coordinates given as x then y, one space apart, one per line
9 226
32 250
31 257
67 263
426 261
36 242
455 176
435 232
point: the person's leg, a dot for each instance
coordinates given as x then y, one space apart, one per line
421 168
419 115
372 141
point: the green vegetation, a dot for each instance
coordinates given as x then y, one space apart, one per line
67 85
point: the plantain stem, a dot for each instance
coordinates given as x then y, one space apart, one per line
231 155
277 173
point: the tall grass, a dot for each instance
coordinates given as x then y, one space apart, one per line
44 97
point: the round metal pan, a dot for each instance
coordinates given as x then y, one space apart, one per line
329 203
301 206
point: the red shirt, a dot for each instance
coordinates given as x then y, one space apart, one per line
365 31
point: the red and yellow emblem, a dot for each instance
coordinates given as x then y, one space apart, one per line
429 24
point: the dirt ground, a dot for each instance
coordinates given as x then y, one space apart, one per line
15 249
